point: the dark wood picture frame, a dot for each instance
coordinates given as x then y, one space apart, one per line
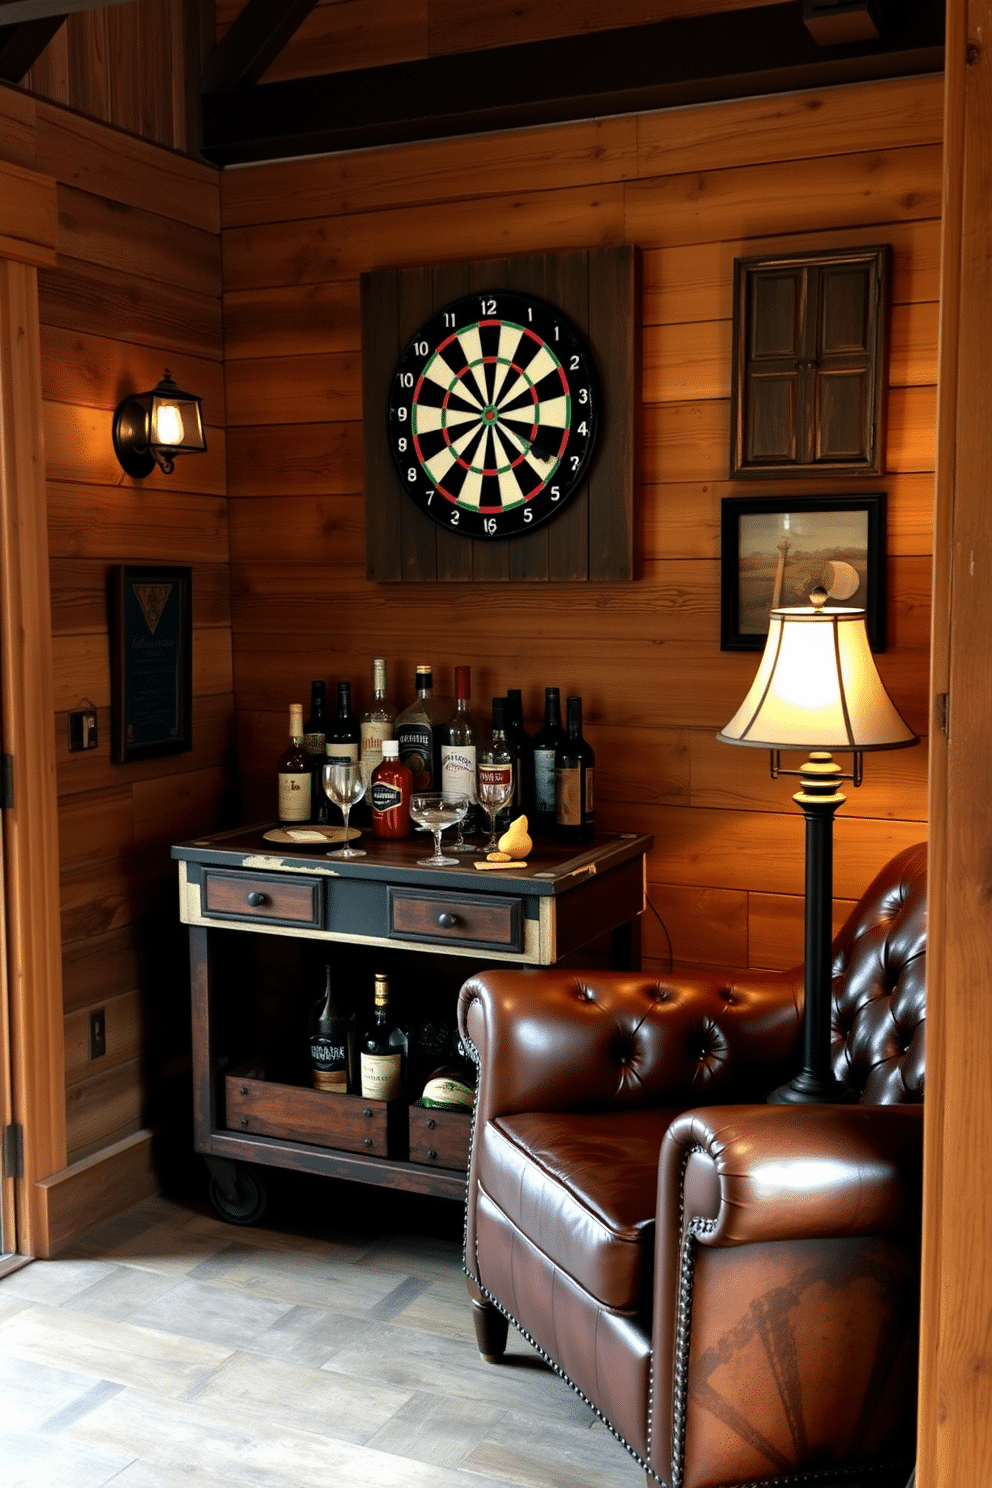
771 528
593 538
810 364
151 661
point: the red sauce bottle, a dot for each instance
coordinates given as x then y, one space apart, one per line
389 793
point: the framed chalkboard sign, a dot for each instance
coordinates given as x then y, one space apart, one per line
151 639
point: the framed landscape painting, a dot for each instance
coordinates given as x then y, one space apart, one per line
775 550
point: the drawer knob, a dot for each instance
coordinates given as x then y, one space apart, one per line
431 1154
242 1089
431 1124
447 920
244 1121
367 1141
367 1111
256 897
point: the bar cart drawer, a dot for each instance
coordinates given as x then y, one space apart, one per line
348 1123
275 898
480 921
440 1138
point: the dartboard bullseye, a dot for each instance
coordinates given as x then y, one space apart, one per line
494 411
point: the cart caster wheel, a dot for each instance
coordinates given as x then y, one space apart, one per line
248 1203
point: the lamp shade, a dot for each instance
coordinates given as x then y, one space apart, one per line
152 428
817 687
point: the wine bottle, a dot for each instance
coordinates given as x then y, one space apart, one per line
342 743
293 772
547 741
377 722
458 750
418 730
495 771
502 751
450 1088
314 737
389 797
381 1059
574 763
520 740
332 1042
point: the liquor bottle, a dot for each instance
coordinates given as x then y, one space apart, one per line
383 1047
332 1042
458 750
314 736
294 773
520 740
342 743
377 722
389 798
418 730
496 772
450 1088
546 742
574 762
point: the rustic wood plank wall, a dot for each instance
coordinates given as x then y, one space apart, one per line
136 288
693 189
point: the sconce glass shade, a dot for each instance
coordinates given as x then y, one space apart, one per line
817 687
152 428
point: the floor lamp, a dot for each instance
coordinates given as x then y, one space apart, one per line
817 689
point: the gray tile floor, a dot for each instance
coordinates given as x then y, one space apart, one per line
167 1349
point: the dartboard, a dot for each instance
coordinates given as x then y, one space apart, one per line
493 414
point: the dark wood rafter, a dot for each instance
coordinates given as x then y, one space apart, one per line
17 12
254 41
22 45
767 49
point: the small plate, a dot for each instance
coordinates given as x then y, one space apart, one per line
310 836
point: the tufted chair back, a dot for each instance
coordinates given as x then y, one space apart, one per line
879 986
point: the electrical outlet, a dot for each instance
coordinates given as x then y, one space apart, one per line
82 731
98 1033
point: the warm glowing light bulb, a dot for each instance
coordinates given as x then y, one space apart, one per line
168 425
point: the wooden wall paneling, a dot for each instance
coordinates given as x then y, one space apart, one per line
134 522
97 371
88 298
124 1027
30 840
98 1188
79 595
134 241
100 967
96 898
158 53
123 43
94 770
305 389
80 449
89 72
17 130
277 528
383 541
106 1105
289 319
81 667
29 229
614 327
704 926
49 76
776 928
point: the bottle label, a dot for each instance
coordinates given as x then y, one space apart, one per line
385 797
544 781
445 1090
568 797
458 771
341 752
329 1057
380 1076
495 777
294 798
589 798
371 750
416 746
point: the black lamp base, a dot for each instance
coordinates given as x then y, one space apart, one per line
129 428
809 1088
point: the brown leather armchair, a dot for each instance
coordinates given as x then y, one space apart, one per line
732 1286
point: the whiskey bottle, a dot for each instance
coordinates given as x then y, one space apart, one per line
418 730
547 741
383 1048
332 1042
521 742
377 722
293 773
314 736
458 751
574 764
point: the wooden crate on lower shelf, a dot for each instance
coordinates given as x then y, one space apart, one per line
439 1137
298 1113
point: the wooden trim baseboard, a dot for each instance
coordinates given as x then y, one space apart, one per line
93 1190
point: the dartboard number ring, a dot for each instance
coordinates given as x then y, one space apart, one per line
494 410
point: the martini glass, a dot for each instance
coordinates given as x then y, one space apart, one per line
432 812
345 785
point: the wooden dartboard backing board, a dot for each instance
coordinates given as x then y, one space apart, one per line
592 537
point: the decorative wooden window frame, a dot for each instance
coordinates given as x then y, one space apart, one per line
810 364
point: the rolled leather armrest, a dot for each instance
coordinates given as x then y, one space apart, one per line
760 1173
557 1040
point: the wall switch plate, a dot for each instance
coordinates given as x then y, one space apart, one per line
98 1033
82 731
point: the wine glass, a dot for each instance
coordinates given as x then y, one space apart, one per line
344 783
432 812
495 789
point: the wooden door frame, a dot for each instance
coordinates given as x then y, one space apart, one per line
33 961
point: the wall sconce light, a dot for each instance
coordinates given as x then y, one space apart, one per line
152 428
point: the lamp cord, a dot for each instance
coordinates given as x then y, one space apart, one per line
668 938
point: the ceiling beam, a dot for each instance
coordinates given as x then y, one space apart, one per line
14 12
21 46
668 64
255 39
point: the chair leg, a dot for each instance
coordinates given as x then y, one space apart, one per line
491 1328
